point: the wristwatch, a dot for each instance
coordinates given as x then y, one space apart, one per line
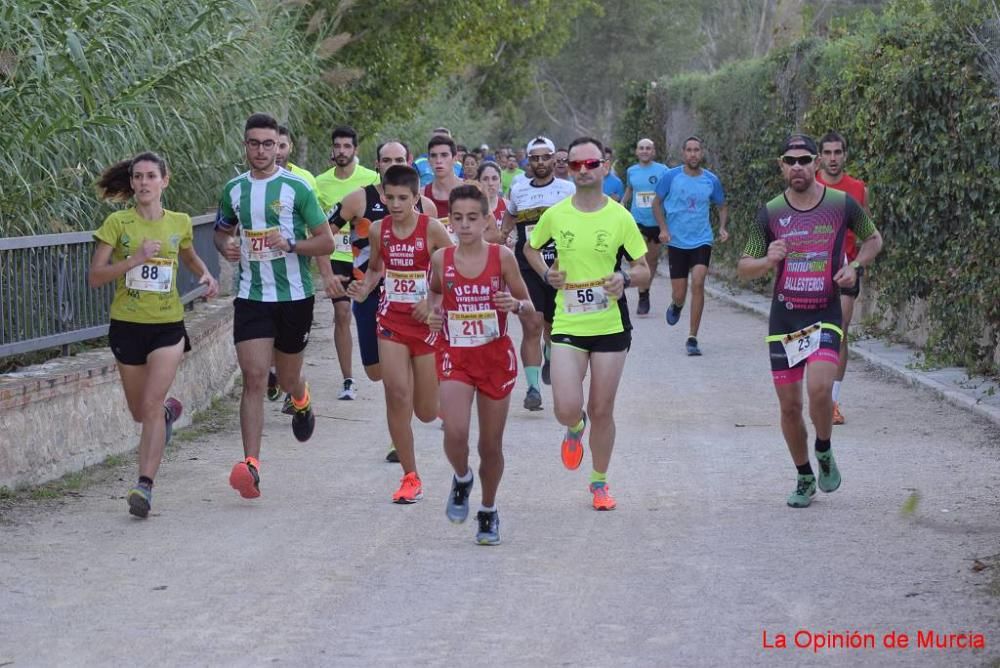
291 245
858 269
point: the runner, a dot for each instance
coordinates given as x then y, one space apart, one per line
275 212
560 168
470 165
592 234
800 234
511 172
685 194
489 178
138 249
528 201
441 155
613 186
403 242
832 156
360 209
475 285
332 186
640 192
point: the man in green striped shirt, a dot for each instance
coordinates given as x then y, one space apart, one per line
280 225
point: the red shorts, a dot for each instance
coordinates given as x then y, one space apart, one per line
417 337
491 369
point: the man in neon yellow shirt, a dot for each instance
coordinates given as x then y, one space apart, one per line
591 328
284 149
332 186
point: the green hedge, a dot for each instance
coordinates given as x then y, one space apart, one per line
911 93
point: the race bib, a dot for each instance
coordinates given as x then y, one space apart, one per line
801 344
468 329
155 275
405 287
342 241
586 297
448 227
260 250
644 199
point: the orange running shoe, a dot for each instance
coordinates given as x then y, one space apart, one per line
245 479
572 446
410 490
838 417
602 496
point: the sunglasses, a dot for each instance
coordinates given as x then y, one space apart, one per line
591 165
540 158
798 159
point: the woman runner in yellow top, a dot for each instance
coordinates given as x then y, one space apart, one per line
138 248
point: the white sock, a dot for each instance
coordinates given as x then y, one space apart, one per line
836 390
465 478
485 509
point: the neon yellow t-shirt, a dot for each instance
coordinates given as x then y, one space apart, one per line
332 190
147 293
304 173
587 247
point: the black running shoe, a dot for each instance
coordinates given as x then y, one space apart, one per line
273 391
303 423
643 308
489 528
546 373
393 456
287 408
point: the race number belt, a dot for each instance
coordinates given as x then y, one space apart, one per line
586 297
468 329
802 344
260 249
154 275
405 287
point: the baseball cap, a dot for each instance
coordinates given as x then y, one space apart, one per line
539 142
801 142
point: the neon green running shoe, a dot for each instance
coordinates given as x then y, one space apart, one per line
829 474
805 490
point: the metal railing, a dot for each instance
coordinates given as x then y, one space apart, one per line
45 301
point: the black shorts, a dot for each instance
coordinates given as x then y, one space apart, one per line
853 291
543 296
683 259
365 318
651 234
602 343
784 321
288 323
131 342
343 268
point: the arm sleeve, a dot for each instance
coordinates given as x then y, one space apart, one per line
663 184
858 221
717 197
759 238
542 234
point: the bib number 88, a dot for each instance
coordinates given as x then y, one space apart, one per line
149 273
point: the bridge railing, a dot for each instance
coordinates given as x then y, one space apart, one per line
45 301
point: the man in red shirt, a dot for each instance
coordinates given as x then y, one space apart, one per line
833 155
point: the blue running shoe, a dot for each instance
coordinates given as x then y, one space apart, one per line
489 528
692 347
457 509
533 399
673 314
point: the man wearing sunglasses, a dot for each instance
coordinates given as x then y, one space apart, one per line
801 234
832 155
529 199
591 329
640 193
685 194
561 169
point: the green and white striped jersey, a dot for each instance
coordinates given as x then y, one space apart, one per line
284 201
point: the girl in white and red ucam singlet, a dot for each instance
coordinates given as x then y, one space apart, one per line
473 288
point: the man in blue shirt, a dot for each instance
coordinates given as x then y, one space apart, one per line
685 193
613 186
640 191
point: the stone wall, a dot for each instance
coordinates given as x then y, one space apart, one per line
62 416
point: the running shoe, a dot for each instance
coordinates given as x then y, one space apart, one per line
287 408
393 456
673 314
245 478
273 391
692 347
533 399
546 372
572 446
838 417
805 490
140 500
489 528
172 410
829 475
457 509
410 490
303 423
602 496
643 308
348 393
